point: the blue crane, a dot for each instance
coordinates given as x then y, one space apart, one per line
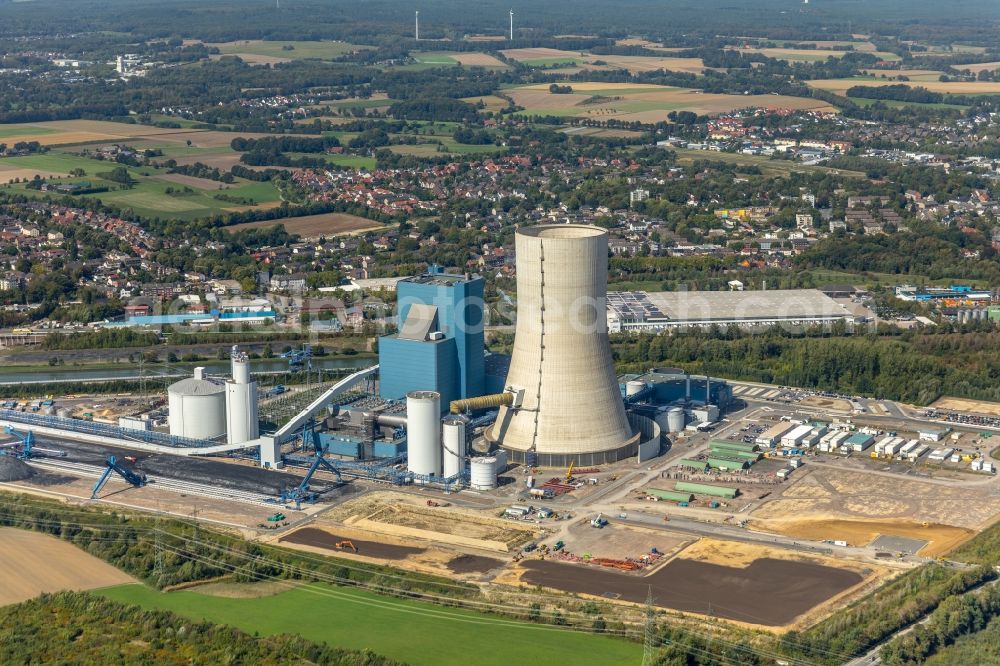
24 446
137 479
302 493
299 358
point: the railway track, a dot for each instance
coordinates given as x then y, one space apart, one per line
166 483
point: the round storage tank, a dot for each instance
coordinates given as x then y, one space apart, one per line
197 407
634 388
453 443
675 419
483 473
423 432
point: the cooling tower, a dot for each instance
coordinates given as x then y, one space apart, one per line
571 408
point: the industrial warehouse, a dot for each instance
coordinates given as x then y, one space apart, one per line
544 467
633 311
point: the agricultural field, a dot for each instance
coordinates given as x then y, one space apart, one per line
491 102
358 619
888 75
256 51
810 55
467 59
545 57
840 86
857 507
66 132
644 102
34 563
977 67
314 226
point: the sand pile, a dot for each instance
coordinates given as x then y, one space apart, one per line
12 469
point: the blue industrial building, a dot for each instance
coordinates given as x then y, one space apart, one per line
440 345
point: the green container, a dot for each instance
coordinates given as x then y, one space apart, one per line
704 489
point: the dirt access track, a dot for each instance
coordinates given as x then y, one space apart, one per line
35 563
964 405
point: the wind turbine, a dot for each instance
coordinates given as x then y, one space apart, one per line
512 25
417 27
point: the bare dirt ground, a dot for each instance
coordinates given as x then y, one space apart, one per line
620 541
964 405
314 226
401 516
857 507
267 588
542 54
327 540
477 59
977 67
826 403
473 564
35 563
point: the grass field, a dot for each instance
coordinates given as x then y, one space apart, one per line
65 132
149 195
410 631
643 103
276 51
811 55
314 226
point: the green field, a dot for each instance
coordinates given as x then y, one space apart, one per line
551 62
299 50
417 633
9 131
148 197
766 165
433 58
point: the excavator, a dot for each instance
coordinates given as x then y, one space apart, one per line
569 472
346 545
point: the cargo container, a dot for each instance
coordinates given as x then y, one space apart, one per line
705 489
682 504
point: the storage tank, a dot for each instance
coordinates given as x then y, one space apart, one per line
242 420
571 408
423 432
676 419
483 473
197 407
634 388
453 444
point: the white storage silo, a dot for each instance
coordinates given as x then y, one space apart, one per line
423 432
197 407
675 419
241 402
453 443
634 388
483 473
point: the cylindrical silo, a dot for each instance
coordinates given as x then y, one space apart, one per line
242 420
675 419
634 388
197 407
423 432
571 408
453 443
483 473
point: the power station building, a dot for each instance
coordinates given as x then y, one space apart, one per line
439 346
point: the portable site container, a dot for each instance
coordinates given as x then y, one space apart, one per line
795 436
894 447
771 436
859 441
881 444
917 452
909 446
940 454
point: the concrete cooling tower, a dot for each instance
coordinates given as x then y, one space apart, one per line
568 407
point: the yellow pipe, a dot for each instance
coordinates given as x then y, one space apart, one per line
482 402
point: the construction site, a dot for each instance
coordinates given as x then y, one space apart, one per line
765 506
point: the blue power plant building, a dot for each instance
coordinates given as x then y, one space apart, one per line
440 344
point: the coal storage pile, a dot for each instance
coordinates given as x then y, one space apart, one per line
12 469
